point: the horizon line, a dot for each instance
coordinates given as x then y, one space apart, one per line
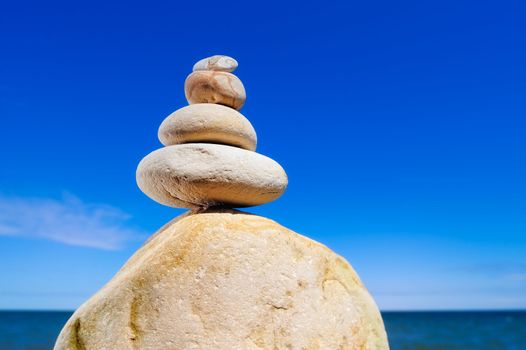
382 311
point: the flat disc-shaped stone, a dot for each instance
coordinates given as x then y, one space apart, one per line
208 123
202 175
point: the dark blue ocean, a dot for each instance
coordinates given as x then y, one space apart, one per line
406 330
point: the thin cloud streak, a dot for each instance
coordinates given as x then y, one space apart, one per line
67 220
519 276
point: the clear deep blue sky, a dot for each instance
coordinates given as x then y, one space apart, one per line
401 125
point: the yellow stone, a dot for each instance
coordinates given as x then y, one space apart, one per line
228 280
215 87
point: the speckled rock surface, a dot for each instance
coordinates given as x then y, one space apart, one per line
215 87
217 63
201 175
228 280
207 122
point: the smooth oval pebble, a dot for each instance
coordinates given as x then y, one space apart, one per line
215 87
202 175
217 62
208 122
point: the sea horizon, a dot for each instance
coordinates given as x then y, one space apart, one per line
520 310
411 329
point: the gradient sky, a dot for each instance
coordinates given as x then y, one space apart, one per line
401 125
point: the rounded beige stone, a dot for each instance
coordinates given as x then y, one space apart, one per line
218 63
215 87
208 122
229 280
202 175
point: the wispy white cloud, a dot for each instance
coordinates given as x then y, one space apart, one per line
502 271
518 276
67 220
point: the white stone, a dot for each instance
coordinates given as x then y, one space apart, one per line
217 63
200 175
208 122
229 280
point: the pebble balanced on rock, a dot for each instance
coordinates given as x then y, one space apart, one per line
209 158
216 278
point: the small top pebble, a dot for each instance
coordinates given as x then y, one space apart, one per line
216 63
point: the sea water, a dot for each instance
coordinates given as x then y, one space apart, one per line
34 330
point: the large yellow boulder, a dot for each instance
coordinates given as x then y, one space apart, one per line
228 280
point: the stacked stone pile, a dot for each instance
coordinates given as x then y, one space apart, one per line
216 278
209 157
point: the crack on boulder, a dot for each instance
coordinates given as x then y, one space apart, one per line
278 307
76 340
132 322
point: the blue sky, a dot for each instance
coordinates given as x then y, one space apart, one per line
401 125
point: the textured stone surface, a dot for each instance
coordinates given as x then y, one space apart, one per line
217 63
228 280
201 174
208 122
215 87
